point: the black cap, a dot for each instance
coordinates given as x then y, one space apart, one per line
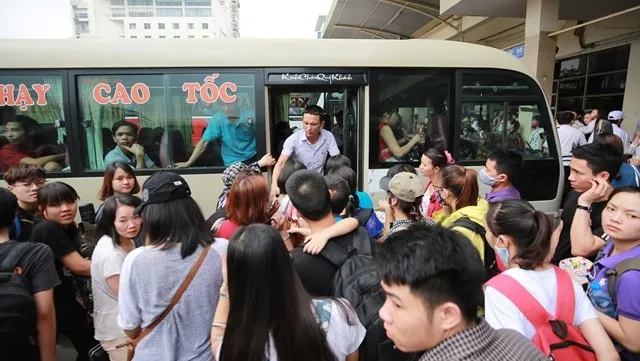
163 187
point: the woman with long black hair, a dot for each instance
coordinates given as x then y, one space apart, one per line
264 311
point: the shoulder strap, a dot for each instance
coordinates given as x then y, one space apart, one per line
489 254
522 299
630 264
336 254
176 297
363 216
13 256
566 297
18 226
216 226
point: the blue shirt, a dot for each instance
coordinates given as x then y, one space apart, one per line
629 177
238 138
117 155
313 156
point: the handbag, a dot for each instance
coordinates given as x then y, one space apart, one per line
131 345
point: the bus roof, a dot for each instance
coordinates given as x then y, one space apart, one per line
145 53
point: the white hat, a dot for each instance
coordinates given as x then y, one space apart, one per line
615 115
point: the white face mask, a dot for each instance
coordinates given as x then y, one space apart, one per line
487 179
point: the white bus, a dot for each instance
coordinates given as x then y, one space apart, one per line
466 98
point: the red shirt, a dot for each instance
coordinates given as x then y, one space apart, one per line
227 228
10 156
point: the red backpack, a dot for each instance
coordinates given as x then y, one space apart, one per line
556 336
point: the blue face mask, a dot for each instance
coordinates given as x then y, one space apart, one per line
487 179
503 253
439 197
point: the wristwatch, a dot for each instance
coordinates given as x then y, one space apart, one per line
584 208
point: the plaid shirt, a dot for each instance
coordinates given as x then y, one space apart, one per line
481 342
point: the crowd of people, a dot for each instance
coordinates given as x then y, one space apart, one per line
309 268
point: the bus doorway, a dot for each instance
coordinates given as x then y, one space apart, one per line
344 117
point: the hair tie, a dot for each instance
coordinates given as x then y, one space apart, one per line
351 198
449 157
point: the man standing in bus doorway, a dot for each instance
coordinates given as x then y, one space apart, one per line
236 128
309 146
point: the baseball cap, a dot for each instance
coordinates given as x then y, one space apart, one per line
162 187
405 186
615 115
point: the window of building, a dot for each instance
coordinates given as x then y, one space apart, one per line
117 2
82 27
404 107
191 36
163 110
81 14
147 36
189 25
161 26
197 12
147 26
176 25
132 26
162 36
133 36
205 36
140 12
205 25
198 2
38 123
594 80
169 12
168 3
176 36
140 2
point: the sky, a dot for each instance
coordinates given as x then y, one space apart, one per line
281 18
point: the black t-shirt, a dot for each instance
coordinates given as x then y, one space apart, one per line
27 220
315 271
564 244
38 269
69 313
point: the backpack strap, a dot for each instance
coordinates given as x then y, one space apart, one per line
18 226
363 216
521 298
630 264
13 256
566 297
489 254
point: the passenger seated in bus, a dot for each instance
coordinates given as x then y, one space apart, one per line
593 166
393 149
537 136
125 135
514 138
236 128
469 143
21 148
498 173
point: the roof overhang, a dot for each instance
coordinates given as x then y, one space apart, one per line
380 19
580 10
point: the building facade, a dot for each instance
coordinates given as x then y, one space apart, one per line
157 19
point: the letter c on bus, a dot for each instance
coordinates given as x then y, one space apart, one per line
97 93
224 92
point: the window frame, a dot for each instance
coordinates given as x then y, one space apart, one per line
537 98
70 126
374 89
77 154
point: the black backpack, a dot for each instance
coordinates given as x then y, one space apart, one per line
357 280
489 254
18 315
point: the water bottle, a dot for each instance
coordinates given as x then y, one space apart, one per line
601 299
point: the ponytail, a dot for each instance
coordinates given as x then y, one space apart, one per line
529 229
411 209
463 183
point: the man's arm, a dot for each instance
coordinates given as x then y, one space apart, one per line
277 169
42 160
197 152
46 324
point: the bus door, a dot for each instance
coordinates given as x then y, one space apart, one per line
340 95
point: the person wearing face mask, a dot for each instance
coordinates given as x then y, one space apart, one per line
463 210
525 239
500 169
118 227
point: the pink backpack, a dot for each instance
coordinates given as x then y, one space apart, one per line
556 336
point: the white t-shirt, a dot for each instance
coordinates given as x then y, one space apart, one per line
500 312
106 262
342 338
570 138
